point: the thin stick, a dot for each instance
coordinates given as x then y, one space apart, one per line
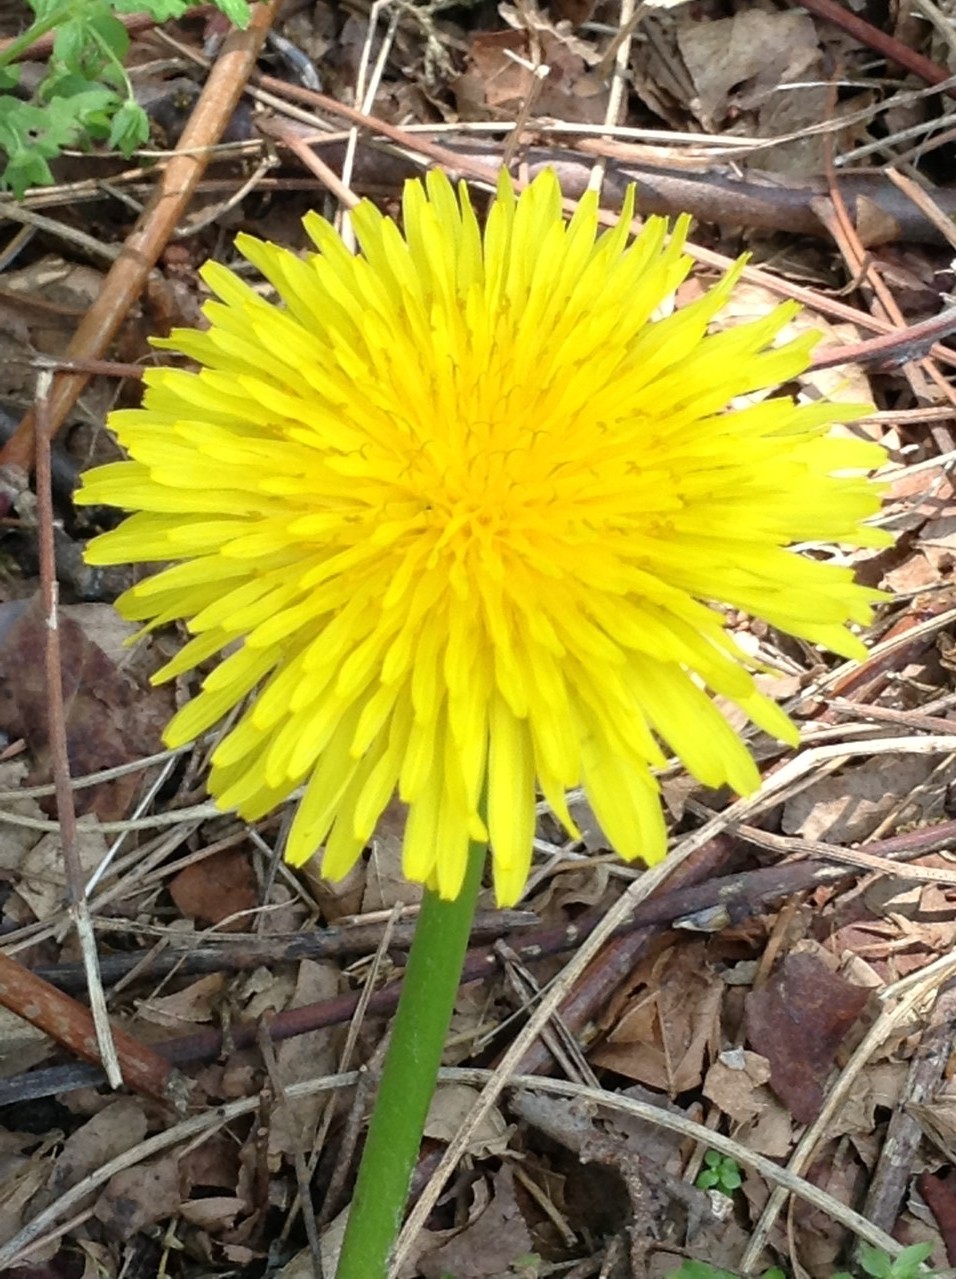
924 202
620 51
299 146
912 342
365 96
66 811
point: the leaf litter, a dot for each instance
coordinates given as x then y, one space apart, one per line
739 1012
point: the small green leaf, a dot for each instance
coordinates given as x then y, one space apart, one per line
57 10
23 170
92 108
70 44
44 130
907 1264
111 32
129 128
875 1261
699 1270
914 1255
237 11
161 10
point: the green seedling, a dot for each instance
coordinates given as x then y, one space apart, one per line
719 1172
84 96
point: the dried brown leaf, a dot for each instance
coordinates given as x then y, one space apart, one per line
111 718
304 1057
450 1106
489 1244
798 1020
140 1196
196 1003
661 1036
216 889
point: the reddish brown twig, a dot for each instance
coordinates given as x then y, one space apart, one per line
128 274
87 1033
878 40
914 342
279 131
71 1024
89 366
56 731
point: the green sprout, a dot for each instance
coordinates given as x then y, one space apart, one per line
719 1172
85 95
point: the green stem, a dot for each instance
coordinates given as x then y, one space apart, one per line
408 1077
33 33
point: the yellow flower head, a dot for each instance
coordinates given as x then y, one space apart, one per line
460 508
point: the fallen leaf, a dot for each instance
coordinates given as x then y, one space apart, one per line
502 75
304 1057
22 1046
111 718
450 1106
17 840
216 889
140 1196
848 807
742 60
735 1083
660 1036
385 882
799 1019
42 880
489 1243
769 1133
219 1211
112 1131
194 1004
21 1177
937 1118
939 1191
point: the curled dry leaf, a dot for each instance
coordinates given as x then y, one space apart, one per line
111 1132
501 77
849 806
196 1003
42 879
735 1083
741 61
672 1014
304 1057
450 1106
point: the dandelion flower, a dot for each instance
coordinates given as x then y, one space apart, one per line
461 510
